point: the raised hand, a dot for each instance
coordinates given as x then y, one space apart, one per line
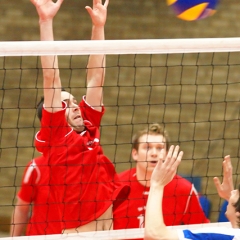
98 12
166 168
224 189
46 9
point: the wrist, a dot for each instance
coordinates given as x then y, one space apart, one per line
98 33
157 185
45 21
98 27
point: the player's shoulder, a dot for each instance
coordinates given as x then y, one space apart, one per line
180 182
38 165
34 170
127 174
39 161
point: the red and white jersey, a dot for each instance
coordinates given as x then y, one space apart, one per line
82 177
180 203
35 190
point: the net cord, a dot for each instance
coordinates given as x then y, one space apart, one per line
142 46
115 234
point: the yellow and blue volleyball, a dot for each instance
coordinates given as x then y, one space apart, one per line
191 10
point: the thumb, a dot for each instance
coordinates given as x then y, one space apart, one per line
89 10
160 160
217 183
161 155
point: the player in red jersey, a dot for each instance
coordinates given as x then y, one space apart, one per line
34 206
180 202
163 173
82 177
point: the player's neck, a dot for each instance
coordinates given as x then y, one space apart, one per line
143 177
234 222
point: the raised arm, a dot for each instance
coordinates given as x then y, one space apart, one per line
47 9
163 173
224 189
96 63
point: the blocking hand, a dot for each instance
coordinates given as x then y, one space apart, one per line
98 12
224 189
46 9
166 168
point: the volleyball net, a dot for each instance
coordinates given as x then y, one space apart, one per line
137 233
191 86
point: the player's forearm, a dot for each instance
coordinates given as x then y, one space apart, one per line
46 30
17 229
96 63
49 63
155 228
51 76
96 73
154 224
19 221
98 33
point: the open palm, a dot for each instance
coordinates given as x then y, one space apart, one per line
98 12
46 9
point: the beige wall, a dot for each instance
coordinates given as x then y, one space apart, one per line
202 140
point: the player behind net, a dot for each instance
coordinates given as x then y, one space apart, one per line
165 170
82 177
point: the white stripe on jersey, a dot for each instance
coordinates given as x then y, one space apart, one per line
193 190
33 166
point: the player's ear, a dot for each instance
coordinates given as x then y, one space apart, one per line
237 214
134 154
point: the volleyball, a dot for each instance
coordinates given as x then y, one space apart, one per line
191 10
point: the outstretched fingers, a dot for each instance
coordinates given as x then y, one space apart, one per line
100 1
47 9
227 167
59 2
166 167
172 160
106 3
174 157
225 187
178 157
42 2
34 2
161 159
98 12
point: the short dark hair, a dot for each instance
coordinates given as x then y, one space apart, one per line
40 106
152 129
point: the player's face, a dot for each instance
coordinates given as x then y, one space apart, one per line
148 151
73 113
231 209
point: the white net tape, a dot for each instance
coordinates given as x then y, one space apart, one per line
113 234
112 47
37 48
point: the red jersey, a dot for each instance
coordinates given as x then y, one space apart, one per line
180 203
82 177
35 189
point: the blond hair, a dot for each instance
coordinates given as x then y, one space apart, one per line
152 129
